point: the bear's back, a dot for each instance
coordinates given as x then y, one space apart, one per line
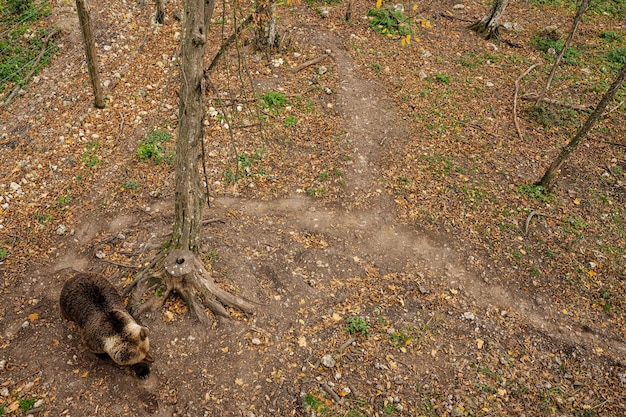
86 296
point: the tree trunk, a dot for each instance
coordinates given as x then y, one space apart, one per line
489 26
159 15
189 197
568 41
548 178
266 37
90 52
181 270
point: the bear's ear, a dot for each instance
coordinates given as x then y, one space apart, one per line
143 333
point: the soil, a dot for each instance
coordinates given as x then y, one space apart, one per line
366 233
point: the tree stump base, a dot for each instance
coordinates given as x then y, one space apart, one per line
185 274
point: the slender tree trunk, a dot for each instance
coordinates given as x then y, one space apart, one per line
90 51
159 15
489 26
266 32
568 41
189 195
548 178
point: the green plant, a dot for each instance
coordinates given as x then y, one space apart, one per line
3 254
377 67
291 121
442 78
610 36
390 408
63 201
401 338
315 403
26 404
536 192
357 324
131 185
247 166
617 56
153 147
388 21
274 101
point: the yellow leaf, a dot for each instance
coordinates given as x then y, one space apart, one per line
415 7
408 39
577 201
239 381
13 407
32 317
425 23
402 41
480 343
379 3
84 374
302 341
591 273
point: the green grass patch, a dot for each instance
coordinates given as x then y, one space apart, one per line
21 43
545 45
535 192
153 147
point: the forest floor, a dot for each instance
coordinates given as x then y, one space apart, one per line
377 206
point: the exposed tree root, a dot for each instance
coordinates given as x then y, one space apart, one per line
182 272
486 30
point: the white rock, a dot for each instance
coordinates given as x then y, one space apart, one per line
14 187
458 6
468 315
327 361
61 229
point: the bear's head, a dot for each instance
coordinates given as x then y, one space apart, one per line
129 344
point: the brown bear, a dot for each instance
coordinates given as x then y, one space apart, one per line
93 303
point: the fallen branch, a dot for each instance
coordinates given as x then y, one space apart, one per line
581 107
525 73
309 63
613 109
332 393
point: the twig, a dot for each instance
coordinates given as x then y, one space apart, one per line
346 344
451 17
479 127
309 63
582 107
613 109
331 392
215 220
525 73
118 264
228 41
119 135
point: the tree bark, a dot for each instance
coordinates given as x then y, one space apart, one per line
266 33
489 26
159 15
189 197
90 52
548 178
568 41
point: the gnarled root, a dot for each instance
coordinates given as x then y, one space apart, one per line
186 275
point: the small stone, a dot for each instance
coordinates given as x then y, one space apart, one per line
100 254
256 341
322 70
13 186
423 288
488 84
4 392
2 364
61 230
324 12
458 6
468 315
25 325
328 361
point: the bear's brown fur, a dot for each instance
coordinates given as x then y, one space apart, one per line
93 303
